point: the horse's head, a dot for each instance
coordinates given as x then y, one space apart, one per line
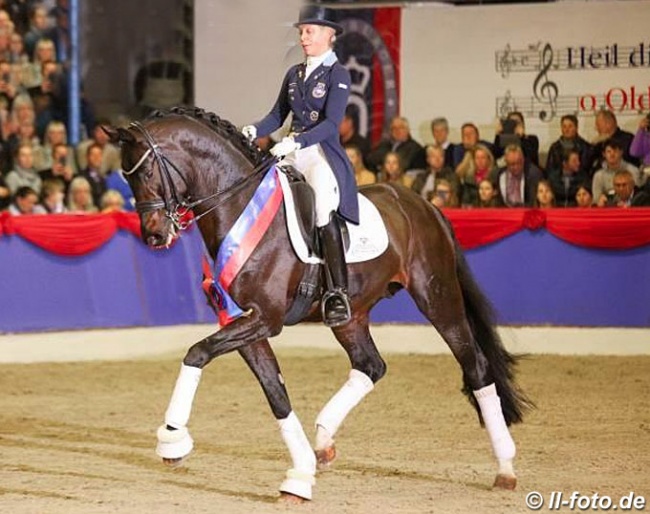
157 185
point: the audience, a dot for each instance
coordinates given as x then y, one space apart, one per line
52 197
400 142
24 202
424 183
478 164
80 197
569 140
440 132
24 173
488 196
112 201
349 135
640 146
444 196
516 135
566 180
545 199
517 182
362 175
584 197
393 172
608 130
626 193
603 182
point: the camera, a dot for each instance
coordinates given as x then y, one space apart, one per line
509 126
6 77
61 161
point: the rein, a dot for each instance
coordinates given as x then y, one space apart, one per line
176 209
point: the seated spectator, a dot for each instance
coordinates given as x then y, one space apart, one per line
52 197
349 135
39 28
80 198
640 146
112 201
115 180
569 140
424 183
603 183
56 134
477 165
584 198
24 202
8 86
44 53
470 137
545 199
516 134
5 193
626 194
111 159
24 173
517 182
50 97
92 172
440 132
608 130
393 172
362 175
401 142
26 134
444 196
565 181
60 168
17 54
488 196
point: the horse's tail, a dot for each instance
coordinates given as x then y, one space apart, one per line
482 322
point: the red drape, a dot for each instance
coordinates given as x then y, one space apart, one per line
616 229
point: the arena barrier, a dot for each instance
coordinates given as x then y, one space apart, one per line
557 267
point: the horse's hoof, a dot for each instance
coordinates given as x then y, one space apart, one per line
291 499
507 482
325 457
173 463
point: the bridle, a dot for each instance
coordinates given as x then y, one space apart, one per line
177 207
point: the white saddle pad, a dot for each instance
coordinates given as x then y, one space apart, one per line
368 240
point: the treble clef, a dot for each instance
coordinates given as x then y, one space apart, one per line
545 90
505 62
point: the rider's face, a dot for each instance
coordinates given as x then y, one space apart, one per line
315 39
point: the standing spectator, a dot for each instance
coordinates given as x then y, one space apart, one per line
517 182
24 173
488 196
545 199
52 198
362 176
400 142
440 132
425 183
80 198
626 193
608 130
478 164
111 159
25 200
393 172
569 140
60 169
92 173
603 183
349 135
516 134
470 137
640 147
565 181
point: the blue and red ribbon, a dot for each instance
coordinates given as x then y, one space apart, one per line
239 244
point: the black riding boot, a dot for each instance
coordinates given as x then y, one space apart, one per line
335 304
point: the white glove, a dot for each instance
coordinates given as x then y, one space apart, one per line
250 132
284 147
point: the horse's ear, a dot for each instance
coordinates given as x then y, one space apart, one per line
118 135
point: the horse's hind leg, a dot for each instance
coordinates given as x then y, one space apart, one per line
367 368
440 298
300 478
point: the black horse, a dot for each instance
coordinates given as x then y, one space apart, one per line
187 159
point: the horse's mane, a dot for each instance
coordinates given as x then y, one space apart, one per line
222 127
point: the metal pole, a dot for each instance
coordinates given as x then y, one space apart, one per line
74 82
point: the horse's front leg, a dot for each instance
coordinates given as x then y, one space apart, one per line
300 478
367 368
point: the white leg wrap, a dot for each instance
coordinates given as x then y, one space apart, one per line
495 424
180 406
347 398
300 478
173 444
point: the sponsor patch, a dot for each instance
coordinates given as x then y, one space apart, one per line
319 90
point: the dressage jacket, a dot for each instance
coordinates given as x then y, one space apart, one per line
318 106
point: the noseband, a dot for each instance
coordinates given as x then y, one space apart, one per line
176 208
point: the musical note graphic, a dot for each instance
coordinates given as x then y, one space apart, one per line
544 89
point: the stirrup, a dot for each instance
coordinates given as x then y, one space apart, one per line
341 314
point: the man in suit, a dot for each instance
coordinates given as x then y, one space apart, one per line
517 182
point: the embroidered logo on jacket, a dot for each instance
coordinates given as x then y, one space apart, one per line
319 90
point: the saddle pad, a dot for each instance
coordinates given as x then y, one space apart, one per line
368 240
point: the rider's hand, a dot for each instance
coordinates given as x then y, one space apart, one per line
250 132
284 147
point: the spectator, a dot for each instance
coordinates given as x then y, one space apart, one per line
112 201
115 180
80 198
565 181
17 54
39 28
24 202
584 197
60 169
517 182
52 197
5 52
8 87
43 54
545 199
362 175
92 172
401 142
470 137
349 135
24 173
478 164
603 183
608 129
640 146
516 134
626 193
425 182
444 196
440 132
5 193
56 134
569 140
488 196
111 159
393 171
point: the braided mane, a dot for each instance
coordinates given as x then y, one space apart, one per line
219 125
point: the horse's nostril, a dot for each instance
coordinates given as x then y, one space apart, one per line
154 240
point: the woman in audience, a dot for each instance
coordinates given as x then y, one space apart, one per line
80 198
443 195
52 197
112 201
393 172
488 196
545 198
362 175
478 164
56 134
584 197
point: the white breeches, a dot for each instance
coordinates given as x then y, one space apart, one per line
311 162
